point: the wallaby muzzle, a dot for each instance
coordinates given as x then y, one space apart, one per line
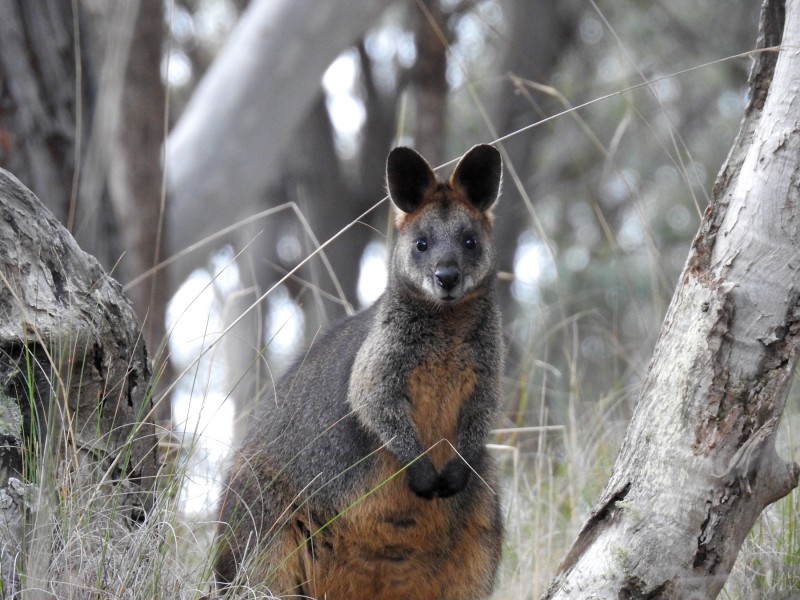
447 277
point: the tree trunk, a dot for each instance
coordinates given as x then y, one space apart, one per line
37 119
135 175
312 179
81 115
539 32
47 92
127 39
698 463
77 444
429 80
231 140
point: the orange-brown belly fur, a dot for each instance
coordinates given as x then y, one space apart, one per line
389 543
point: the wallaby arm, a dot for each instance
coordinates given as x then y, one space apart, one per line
384 409
476 419
479 413
378 395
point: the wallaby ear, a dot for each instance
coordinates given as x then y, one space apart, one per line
478 174
409 178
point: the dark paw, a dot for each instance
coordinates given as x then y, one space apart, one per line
422 478
454 478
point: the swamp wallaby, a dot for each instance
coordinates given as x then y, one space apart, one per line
365 474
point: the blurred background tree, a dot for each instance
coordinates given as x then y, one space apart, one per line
599 204
82 123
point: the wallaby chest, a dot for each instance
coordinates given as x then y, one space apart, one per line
438 389
435 359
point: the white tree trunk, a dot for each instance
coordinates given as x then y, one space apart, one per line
230 141
698 464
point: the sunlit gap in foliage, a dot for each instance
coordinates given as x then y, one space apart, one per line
203 412
285 325
372 273
389 46
533 267
207 26
345 108
203 419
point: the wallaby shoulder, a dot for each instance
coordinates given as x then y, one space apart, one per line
305 422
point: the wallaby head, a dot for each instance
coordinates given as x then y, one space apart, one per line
444 250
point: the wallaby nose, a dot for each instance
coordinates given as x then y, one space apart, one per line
447 277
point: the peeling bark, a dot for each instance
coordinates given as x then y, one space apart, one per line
698 464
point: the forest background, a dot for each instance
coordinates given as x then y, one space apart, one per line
202 149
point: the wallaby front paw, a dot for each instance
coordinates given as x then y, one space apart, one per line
454 478
422 478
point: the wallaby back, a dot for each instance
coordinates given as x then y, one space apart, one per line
365 473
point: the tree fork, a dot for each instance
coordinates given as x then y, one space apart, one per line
698 464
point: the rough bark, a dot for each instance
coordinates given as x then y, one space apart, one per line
74 403
698 464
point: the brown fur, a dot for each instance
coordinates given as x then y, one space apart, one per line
438 389
443 192
393 545
389 544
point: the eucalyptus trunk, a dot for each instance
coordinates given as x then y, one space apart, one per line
698 464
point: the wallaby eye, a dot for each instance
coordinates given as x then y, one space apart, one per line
471 242
422 245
